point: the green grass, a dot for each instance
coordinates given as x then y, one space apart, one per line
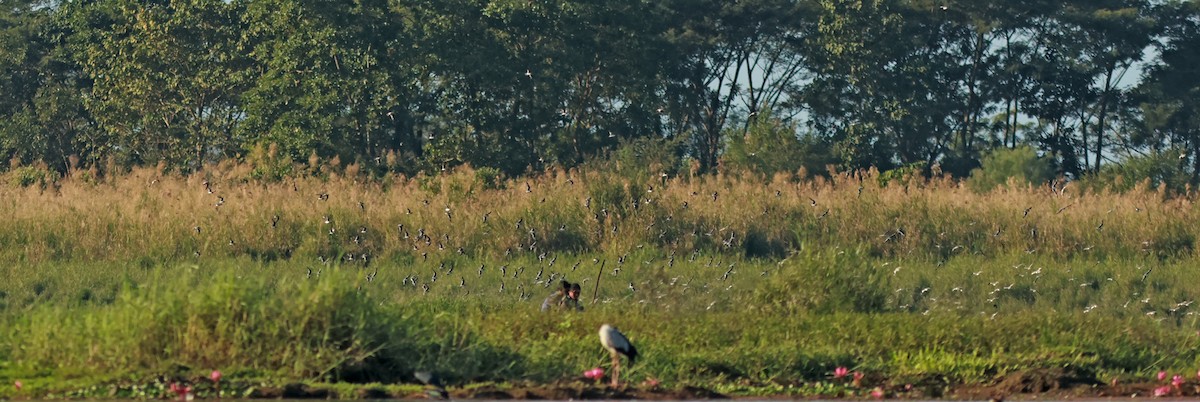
110 290
789 327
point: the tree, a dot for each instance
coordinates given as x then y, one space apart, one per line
1114 35
40 91
166 78
726 51
770 146
888 86
1002 165
332 78
1170 108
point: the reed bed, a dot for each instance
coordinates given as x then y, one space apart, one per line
719 280
147 214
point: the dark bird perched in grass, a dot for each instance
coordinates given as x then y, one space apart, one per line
438 391
617 344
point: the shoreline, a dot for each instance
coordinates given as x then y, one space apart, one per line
1025 385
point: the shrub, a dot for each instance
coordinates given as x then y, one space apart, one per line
267 164
1021 163
902 173
1162 169
835 281
491 178
770 146
324 327
642 159
25 176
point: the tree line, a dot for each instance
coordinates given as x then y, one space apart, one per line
524 85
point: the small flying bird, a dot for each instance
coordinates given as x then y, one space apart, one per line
617 344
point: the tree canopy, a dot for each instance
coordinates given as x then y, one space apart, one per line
525 85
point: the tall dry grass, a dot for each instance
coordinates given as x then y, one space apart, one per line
147 214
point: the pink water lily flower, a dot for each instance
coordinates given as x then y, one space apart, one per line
183 391
840 372
18 384
877 393
215 376
1162 391
594 374
1162 375
1177 381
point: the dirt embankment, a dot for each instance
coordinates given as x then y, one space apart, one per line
1024 385
557 391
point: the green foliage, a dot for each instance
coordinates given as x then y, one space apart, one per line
1160 170
1004 165
529 87
608 196
902 174
769 146
275 323
267 164
197 320
834 281
26 176
643 159
166 78
490 178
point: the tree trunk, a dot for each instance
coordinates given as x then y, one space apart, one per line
1104 98
1195 155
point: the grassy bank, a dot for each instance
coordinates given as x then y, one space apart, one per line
968 321
149 277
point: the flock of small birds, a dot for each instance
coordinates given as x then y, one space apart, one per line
527 270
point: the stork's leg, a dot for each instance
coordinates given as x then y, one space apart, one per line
616 369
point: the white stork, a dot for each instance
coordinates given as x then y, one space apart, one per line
617 343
